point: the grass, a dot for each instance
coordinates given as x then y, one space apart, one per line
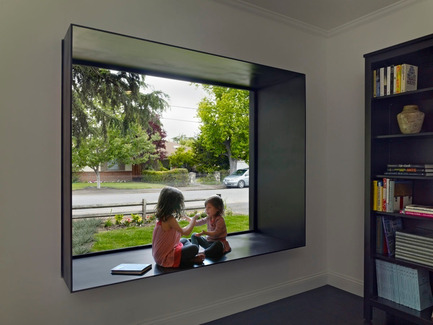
116 185
136 236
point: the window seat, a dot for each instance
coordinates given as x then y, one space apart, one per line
93 270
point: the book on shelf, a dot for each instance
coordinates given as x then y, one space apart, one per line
390 226
404 285
376 83
384 194
410 247
131 268
390 195
397 79
419 233
418 210
415 245
389 82
382 81
393 173
428 165
409 77
409 169
381 247
394 79
418 214
418 207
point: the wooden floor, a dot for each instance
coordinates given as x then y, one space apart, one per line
326 305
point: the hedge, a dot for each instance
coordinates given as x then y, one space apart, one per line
174 177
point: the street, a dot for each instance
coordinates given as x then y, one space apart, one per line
235 199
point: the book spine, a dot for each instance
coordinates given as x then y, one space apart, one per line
419 214
382 81
419 208
409 77
403 78
375 194
388 80
379 195
397 79
377 82
391 80
409 165
407 173
409 169
406 166
379 236
390 201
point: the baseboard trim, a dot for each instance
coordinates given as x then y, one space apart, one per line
239 303
346 283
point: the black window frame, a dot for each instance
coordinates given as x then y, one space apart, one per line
277 135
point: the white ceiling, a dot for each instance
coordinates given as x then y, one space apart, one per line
321 15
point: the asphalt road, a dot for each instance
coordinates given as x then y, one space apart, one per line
236 199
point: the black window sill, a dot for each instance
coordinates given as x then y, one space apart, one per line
94 270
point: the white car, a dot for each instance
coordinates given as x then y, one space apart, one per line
239 178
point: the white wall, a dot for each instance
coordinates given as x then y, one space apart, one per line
345 131
32 291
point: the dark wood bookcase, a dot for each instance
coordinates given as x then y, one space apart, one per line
385 144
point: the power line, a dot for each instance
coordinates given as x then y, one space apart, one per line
186 107
175 119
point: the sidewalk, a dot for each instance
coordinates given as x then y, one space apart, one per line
194 187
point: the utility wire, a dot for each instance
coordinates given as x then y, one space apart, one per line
175 119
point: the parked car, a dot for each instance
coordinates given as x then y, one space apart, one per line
239 178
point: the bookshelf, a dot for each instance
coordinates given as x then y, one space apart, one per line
384 145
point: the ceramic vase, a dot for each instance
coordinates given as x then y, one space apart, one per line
410 119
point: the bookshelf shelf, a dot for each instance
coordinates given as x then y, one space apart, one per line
402 312
425 178
401 215
403 136
414 93
402 262
385 145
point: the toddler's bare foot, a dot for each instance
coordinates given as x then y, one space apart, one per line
199 258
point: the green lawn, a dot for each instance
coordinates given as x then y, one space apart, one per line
126 185
136 236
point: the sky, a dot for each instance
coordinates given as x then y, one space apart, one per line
181 116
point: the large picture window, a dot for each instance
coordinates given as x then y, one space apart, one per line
129 144
275 164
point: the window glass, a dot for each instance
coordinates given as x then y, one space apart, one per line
134 134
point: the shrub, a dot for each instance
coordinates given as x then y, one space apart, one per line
118 218
108 223
174 177
83 232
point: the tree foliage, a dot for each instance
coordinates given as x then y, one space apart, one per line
206 159
113 119
225 123
183 158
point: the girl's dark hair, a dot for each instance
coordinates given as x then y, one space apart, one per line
170 203
217 202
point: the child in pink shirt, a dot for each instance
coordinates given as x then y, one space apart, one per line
168 248
215 243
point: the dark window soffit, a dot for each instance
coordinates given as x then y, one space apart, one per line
111 50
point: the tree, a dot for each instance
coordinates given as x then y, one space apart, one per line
134 147
113 119
225 123
182 158
206 159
